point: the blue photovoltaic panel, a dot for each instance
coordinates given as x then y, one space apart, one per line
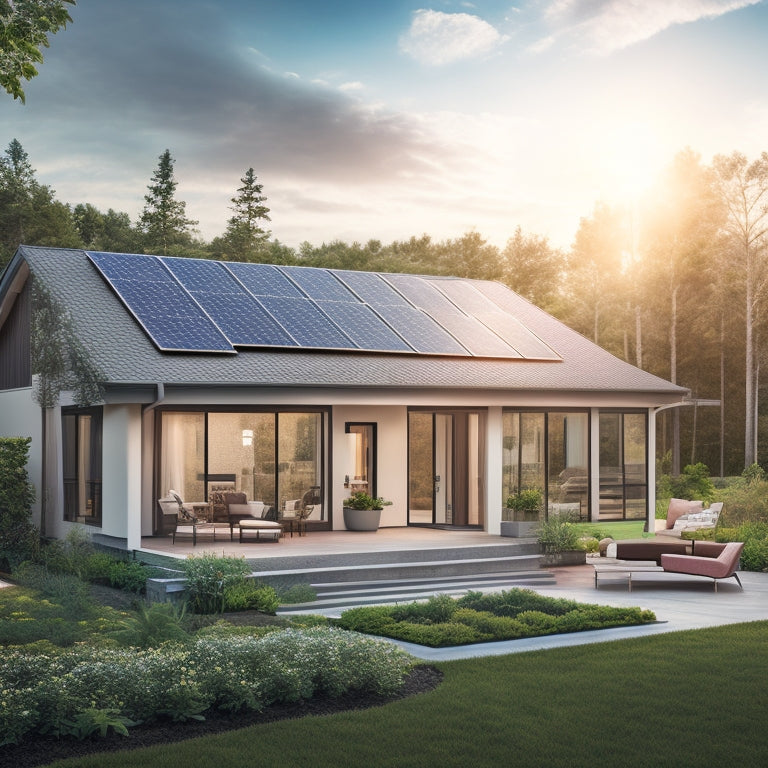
309 326
509 327
370 287
420 330
263 279
463 294
202 275
474 335
238 314
208 306
366 329
319 284
170 317
420 293
168 314
128 266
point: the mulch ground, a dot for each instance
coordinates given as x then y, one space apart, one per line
40 750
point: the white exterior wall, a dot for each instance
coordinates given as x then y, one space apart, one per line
391 459
121 474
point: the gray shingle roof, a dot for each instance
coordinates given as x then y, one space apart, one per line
123 352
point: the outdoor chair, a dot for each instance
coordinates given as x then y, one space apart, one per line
684 516
722 566
180 518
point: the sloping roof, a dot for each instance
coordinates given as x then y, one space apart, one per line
119 347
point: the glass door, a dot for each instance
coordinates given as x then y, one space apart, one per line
446 467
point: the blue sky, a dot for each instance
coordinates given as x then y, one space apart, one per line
389 118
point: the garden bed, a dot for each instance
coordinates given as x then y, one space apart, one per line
480 618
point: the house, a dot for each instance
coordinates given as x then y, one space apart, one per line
443 395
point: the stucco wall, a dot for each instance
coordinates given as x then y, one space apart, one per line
392 459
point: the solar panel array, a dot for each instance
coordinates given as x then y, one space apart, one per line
196 305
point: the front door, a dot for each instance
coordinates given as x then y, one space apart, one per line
446 468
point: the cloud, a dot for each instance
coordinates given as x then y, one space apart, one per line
603 26
437 38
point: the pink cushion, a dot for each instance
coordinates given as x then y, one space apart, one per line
677 508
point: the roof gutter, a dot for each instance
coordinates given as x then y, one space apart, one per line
690 401
157 401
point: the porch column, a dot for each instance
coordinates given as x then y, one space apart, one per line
493 470
651 462
594 464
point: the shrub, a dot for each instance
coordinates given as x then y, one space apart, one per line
245 595
557 534
208 576
54 693
298 593
754 556
19 539
152 625
129 575
744 501
435 610
693 483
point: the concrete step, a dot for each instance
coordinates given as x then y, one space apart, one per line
398 570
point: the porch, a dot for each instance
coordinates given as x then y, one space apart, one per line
400 561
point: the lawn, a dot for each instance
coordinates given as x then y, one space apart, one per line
679 699
623 529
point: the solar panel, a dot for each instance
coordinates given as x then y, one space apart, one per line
319 284
421 293
208 306
239 315
310 327
366 329
263 279
370 287
169 315
478 339
420 331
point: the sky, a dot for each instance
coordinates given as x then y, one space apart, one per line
386 119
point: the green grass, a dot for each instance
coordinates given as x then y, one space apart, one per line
630 529
679 699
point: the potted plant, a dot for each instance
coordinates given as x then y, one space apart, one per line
522 513
559 543
363 512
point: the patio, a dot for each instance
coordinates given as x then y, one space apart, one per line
325 543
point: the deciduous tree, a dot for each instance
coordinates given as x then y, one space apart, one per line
24 29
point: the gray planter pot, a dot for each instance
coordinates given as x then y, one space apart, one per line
569 557
362 519
519 529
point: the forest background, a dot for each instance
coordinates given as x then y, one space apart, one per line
676 284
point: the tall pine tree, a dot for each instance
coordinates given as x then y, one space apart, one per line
244 238
164 221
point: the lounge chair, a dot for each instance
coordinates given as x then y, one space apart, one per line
719 561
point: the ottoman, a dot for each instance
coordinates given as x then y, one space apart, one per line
264 529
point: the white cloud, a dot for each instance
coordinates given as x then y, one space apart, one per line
437 38
604 26
353 86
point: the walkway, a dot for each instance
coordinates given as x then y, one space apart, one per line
679 603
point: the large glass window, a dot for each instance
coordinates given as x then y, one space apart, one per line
623 466
81 430
547 452
274 457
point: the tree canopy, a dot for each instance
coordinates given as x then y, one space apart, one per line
24 29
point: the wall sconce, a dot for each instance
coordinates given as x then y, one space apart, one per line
247 437
346 481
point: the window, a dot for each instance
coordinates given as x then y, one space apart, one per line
271 456
81 430
548 451
360 469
